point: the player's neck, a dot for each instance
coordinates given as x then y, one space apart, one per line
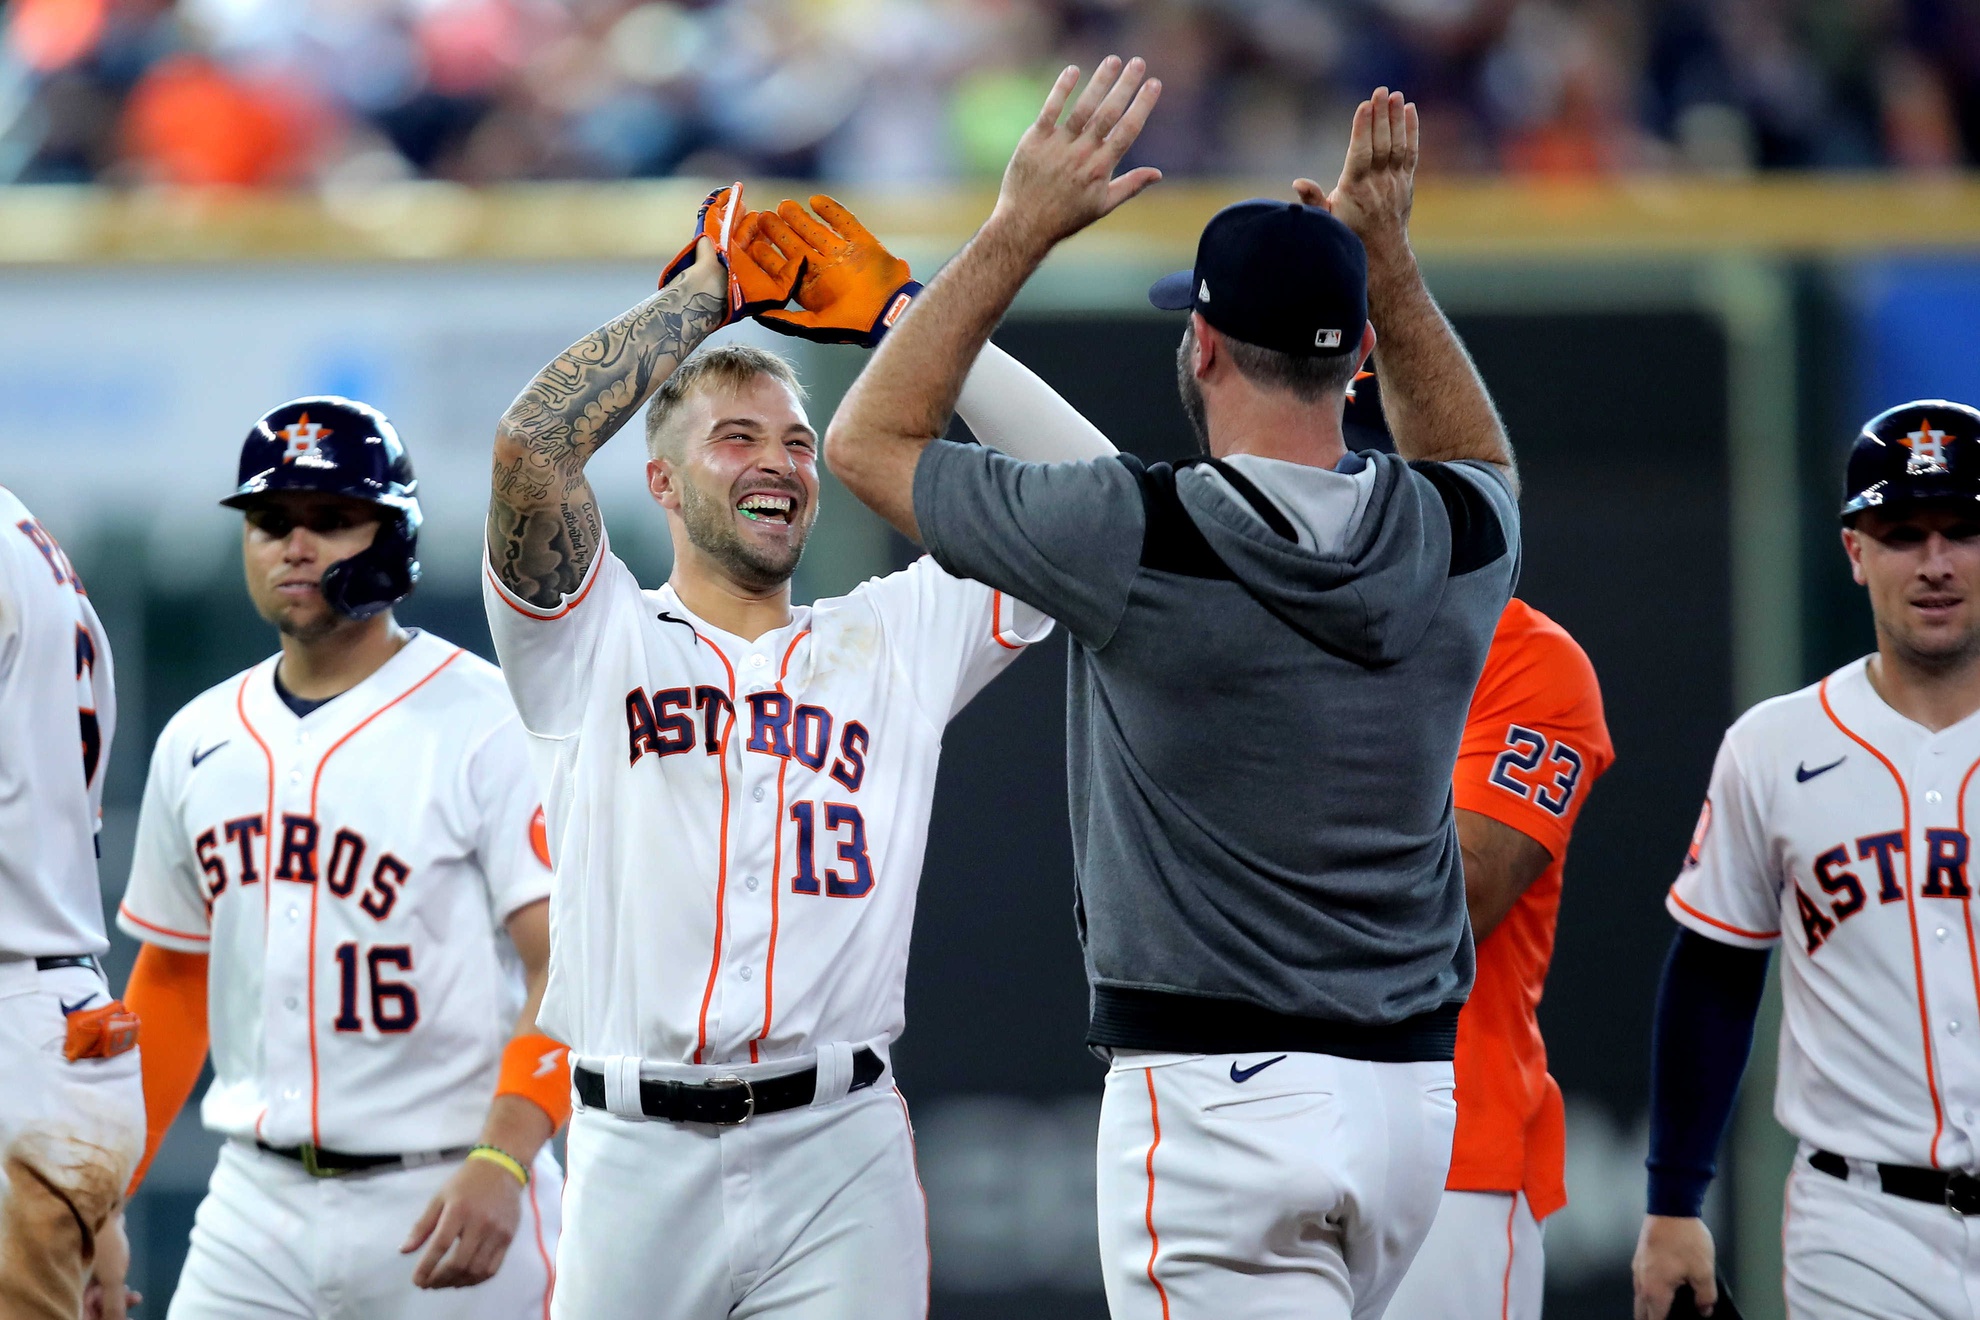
322 668
716 598
1935 698
1275 424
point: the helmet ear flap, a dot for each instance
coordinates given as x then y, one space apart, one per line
377 577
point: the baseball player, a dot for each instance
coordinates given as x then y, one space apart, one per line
341 880
739 790
1836 827
1534 744
71 1105
1272 653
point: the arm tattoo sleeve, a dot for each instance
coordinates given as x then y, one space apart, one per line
543 524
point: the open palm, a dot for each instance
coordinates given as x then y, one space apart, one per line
1061 177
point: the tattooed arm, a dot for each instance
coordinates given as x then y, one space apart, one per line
543 525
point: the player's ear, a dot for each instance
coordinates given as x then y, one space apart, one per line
1207 341
1853 547
1367 344
660 484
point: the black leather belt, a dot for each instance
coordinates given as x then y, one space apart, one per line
320 1163
726 1101
80 960
1958 1192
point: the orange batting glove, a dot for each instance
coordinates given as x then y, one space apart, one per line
852 289
757 283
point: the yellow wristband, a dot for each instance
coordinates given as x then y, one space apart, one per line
496 1155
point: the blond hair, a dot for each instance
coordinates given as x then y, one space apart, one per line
730 366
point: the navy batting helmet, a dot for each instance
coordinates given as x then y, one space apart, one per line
1923 452
341 447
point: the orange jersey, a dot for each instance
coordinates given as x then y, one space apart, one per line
1533 744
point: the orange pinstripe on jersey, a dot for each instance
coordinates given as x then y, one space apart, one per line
316 784
1911 912
722 854
268 828
776 865
1537 683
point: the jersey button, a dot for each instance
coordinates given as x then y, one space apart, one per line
295 776
756 794
292 1003
743 973
295 913
1932 796
1941 933
758 661
292 1093
1952 1026
750 884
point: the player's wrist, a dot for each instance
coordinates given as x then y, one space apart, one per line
501 1159
1677 1195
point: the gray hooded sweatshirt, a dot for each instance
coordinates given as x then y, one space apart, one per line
1266 693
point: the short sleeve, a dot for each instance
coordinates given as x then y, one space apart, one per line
165 900
546 654
1484 513
1064 537
1535 740
511 837
1727 890
950 635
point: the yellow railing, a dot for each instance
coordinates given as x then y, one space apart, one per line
1801 215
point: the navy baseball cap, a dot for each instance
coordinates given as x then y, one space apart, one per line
1281 275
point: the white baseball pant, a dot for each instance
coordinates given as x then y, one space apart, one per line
1483 1260
269 1240
812 1214
70 1134
1298 1189
1855 1252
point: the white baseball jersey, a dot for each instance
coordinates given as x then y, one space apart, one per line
54 672
739 825
348 871
1839 829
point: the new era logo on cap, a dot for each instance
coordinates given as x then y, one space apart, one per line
1326 339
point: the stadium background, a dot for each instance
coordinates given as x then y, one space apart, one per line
1691 244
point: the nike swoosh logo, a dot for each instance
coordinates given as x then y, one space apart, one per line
78 1005
199 756
1246 1074
1802 774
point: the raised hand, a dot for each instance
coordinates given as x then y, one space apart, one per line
1378 181
852 288
1061 177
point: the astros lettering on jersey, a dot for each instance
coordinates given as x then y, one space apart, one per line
739 826
349 871
1840 830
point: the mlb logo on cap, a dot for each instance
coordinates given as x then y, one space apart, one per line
1288 277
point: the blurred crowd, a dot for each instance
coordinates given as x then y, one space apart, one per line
329 92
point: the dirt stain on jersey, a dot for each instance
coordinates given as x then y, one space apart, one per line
59 1194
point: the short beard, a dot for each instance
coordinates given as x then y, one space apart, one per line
1946 660
1191 392
710 531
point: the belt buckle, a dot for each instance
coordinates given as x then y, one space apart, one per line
749 1099
311 1167
1963 1194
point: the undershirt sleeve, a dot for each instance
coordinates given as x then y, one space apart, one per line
1703 1032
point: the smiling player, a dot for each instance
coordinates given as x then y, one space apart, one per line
739 791
1837 827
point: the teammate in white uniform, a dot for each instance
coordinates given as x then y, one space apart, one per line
1837 826
739 792
71 1111
341 866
